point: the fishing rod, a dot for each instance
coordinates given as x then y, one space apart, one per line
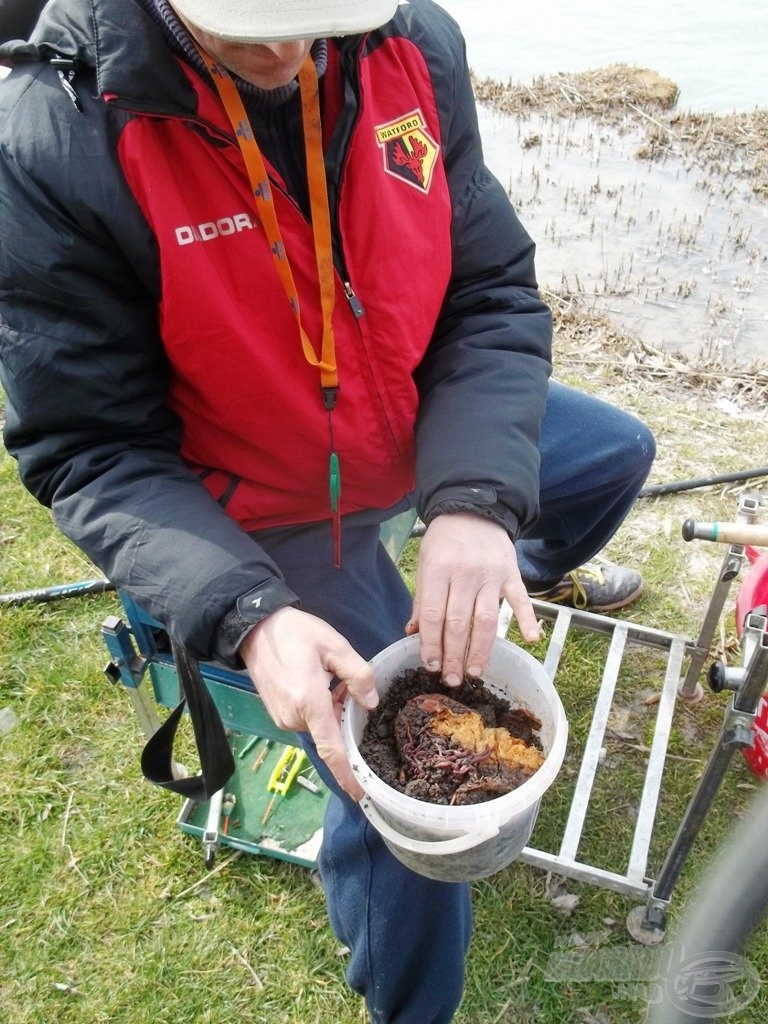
77 589
704 481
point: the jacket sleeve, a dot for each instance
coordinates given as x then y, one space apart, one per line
483 380
85 374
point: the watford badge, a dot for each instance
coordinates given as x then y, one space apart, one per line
410 152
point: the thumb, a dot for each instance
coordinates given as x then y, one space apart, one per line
355 673
324 730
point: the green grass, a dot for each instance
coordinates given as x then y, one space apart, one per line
98 922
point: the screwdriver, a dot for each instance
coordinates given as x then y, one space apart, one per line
226 809
261 756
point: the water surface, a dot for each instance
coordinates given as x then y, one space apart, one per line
717 53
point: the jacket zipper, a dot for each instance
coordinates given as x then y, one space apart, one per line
355 303
343 131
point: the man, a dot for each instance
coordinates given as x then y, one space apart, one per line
259 294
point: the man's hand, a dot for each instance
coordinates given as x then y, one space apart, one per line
292 657
466 565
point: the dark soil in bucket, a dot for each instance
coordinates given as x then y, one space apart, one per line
450 746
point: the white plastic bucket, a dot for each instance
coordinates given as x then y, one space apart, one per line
462 843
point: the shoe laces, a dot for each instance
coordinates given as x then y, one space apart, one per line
580 599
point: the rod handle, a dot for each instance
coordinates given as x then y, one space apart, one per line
726 533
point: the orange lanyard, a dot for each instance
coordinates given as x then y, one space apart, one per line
318 201
321 230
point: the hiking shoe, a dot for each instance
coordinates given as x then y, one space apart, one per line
595 587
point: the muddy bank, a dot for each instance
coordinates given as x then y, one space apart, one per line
624 96
653 216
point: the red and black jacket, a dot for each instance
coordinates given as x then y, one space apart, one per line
158 397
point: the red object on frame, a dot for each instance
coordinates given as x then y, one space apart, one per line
753 593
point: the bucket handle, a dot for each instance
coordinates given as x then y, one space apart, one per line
441 847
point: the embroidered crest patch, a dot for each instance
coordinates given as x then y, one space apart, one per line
410 152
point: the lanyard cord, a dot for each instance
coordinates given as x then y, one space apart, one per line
321 231
318 201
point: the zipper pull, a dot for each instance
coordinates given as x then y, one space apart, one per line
354 302
334 488
63 64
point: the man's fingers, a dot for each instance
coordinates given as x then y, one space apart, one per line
292 657
456 632
355 673
485 622
325 731
517 596
431 614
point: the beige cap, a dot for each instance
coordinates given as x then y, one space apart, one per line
253 21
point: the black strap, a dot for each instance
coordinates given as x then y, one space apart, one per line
217 765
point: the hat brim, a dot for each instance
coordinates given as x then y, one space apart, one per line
267 21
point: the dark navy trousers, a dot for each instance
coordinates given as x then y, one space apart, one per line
409 935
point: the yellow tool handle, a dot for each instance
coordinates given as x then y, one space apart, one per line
286 770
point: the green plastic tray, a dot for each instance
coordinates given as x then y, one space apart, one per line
294 829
